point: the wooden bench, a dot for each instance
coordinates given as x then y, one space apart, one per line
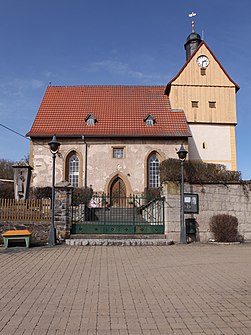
16 235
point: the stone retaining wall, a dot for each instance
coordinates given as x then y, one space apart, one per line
39 230
233 199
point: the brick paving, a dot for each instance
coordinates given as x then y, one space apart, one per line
114 290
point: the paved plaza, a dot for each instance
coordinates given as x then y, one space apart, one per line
178 289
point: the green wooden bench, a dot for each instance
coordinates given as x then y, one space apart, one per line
16 235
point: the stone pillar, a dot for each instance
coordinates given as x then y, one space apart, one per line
172 210
63 201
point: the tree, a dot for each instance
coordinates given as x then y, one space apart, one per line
6 169
7 172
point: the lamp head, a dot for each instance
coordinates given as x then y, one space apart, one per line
182 153
54 145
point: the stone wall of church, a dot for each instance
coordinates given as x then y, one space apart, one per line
101 166
233 199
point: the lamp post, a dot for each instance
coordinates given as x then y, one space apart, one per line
54 147
182 154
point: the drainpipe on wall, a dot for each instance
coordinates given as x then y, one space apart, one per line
85 175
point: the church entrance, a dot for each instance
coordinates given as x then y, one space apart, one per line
118 193
117 213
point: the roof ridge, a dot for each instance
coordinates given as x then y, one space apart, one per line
104 86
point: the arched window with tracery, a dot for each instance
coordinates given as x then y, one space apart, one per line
153 171
73 169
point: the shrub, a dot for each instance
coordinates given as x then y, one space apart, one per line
82 195
6 169
224 228
6 190
152 193
196 172
40 192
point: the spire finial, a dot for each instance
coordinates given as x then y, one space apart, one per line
192 15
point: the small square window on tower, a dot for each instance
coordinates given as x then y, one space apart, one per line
212 104
203 71
195 104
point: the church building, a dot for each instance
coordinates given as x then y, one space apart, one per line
114 137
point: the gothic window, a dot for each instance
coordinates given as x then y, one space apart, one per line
153 171
73 170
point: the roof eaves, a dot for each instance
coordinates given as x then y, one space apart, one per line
171 134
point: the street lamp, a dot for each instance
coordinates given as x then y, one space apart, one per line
182 154
54 147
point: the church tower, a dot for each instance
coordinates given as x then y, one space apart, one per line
207 94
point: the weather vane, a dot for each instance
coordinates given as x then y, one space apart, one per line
192 15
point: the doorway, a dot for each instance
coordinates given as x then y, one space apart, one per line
118 193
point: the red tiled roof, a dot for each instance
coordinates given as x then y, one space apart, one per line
118 110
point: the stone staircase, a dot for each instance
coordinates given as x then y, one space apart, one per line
115 215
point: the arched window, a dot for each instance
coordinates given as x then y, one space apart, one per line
153 171
73 170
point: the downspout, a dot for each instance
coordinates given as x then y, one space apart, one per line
85 174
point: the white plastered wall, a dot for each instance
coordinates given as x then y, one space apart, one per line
211 144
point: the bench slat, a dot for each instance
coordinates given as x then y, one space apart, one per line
16 233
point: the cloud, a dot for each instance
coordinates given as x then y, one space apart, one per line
17 86
123 69
48 74
17 98
36 83
111 66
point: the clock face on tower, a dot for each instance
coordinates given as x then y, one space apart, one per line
203 61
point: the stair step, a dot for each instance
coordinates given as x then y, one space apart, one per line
118 242
117 215
118 237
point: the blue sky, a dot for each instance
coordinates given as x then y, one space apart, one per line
97 42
